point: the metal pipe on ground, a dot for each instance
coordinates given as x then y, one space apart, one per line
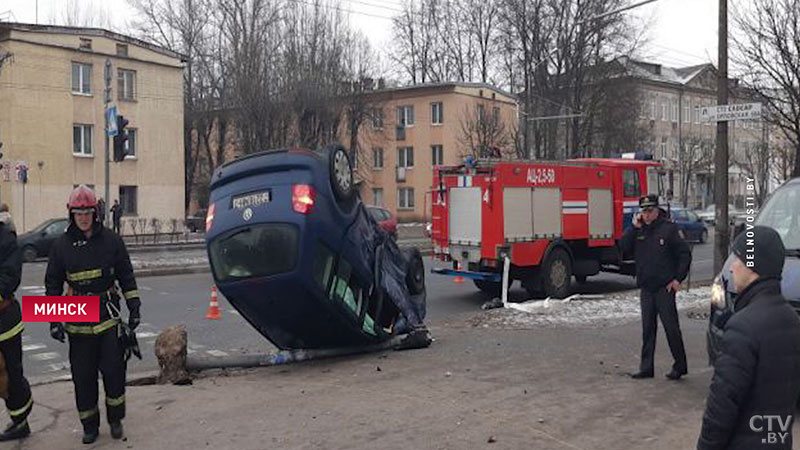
416 339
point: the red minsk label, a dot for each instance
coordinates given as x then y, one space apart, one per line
60 309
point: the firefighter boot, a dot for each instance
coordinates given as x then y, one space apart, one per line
116 430
15 431
90 435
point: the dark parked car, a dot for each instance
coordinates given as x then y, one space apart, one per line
295 251
693 228
197 222
38 241
781 212
385 219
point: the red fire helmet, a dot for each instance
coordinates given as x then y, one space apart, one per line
82 198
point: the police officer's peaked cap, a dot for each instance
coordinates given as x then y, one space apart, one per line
762 248
648 201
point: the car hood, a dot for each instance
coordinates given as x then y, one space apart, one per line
790 280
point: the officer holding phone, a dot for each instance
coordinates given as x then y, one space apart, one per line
662 263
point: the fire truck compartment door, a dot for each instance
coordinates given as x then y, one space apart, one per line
465 215
546 207
517 214
601 214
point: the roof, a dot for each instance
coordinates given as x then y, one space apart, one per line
660 73
448 85
100 32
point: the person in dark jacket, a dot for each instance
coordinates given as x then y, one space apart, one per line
756 380
19 401
662 263
90 258
116 215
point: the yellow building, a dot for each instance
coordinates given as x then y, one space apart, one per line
52 120
414 128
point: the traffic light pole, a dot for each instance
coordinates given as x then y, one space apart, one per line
106 159
721 236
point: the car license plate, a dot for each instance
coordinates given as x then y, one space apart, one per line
251 200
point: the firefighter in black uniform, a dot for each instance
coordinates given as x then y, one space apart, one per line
662 263
19 401
89 258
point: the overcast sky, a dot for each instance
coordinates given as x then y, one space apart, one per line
682 32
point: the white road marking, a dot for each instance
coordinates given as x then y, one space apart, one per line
218 353
31 347
64 365
32 288
195 346
164 293
45 356
145 334
145 288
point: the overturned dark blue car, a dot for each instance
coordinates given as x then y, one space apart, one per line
295 251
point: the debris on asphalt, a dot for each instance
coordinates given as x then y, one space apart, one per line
492 304
491 440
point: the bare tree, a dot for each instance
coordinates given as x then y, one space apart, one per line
756 162
766 46
696 155
783 158
484 134
84 13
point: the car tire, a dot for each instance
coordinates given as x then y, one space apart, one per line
580 279
703 236
491 288
341 173
415 276
29 253
557 273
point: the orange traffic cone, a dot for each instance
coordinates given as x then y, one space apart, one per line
213 306
458 279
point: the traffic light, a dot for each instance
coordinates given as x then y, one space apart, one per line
120 139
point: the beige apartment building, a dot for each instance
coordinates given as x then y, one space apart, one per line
52 121
418 127
672 101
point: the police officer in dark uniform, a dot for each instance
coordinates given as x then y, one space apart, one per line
19 401
662 263
90 258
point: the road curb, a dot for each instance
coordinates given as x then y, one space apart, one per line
136 379
171 270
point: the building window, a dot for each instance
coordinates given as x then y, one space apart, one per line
664 111
122 50
481 113
126 84
496 114
437 113
674 110
663 148
127 198
405 115
405 198
686 113
81 78
405 157
82 140
377 158
85 44
130 144
653 108
377 196
437 155
697 114
377 119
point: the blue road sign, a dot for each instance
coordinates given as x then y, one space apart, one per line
111 121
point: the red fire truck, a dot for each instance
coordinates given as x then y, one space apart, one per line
554 220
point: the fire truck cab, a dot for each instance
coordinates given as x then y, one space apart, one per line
553 220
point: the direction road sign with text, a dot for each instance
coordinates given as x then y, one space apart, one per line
739 111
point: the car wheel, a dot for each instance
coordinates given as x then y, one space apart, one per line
415 277
341 173
492 288
703 236
580 279
29 253
557 274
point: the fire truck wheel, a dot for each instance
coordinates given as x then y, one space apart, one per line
492 288
557 274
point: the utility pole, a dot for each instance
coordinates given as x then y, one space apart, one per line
721 234
106 101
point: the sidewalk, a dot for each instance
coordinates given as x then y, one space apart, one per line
478 386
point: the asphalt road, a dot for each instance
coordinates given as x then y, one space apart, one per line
183 299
